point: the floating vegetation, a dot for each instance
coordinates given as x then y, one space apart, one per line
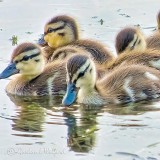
28 32
14 40
94 17
101 21
125 15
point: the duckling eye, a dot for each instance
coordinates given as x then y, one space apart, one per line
25 58
80 75
15 62
50 30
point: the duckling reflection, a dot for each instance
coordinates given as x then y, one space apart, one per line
82 131
133 108
30 118
31 112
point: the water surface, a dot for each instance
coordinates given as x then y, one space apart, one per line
40 128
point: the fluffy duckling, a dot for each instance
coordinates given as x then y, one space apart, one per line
93 49
62 31
153 41
132 38
32 76
149 57
122 85
128 39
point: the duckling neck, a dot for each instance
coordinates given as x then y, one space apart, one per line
89 95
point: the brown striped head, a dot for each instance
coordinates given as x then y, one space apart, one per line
81 74
60 30
129 39
26 59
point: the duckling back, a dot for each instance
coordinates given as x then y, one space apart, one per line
130 84
149 57
153 41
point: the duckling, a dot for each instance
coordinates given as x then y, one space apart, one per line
128 39
149 57
132 38
32 76
123 85
153 41
88 47
62 31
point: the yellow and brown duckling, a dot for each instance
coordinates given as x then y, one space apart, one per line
153 41
148 57
129 39
91 48
61 33
32 76
122 85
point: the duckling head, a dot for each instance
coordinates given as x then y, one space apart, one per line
60 30
27 60
81 77
129 39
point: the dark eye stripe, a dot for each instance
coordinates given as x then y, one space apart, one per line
26 58
81 74
55 29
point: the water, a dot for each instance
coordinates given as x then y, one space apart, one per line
33 128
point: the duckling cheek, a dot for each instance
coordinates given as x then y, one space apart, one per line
46 38
57 41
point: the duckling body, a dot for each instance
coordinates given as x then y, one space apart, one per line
90 48
122 85
62 31
31 76
153 41
149 57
